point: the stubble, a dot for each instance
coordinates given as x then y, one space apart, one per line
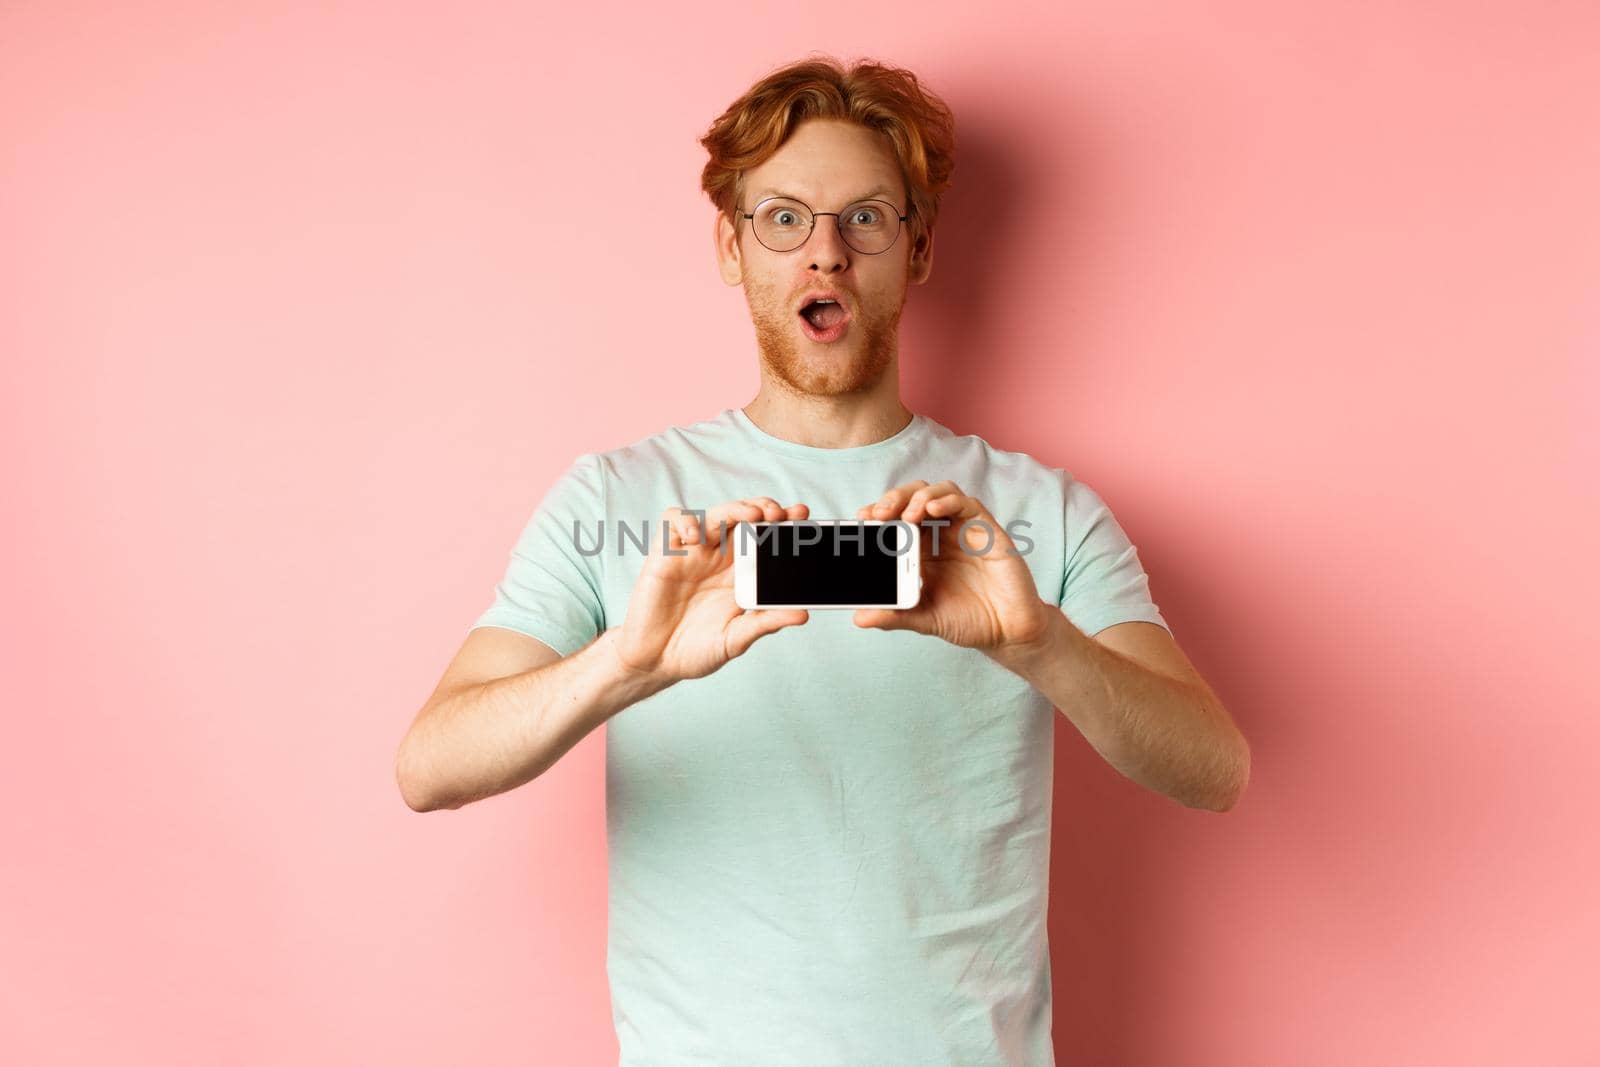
853 364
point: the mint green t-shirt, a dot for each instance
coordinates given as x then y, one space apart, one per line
835 848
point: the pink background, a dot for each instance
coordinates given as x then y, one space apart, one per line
303 309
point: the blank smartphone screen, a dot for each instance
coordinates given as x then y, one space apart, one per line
855 571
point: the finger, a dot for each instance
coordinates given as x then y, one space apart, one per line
771 510
892 501
916 507
885 619
745 629
680 523
686 528
980 532
722 518
955 508
685 524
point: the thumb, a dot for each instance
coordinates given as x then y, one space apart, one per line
887 619
744 629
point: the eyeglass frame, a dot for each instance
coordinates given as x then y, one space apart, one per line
900 226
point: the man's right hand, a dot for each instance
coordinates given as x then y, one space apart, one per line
682 621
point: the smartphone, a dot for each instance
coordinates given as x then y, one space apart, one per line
827 563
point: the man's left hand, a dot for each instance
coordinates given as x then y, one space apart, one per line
976 597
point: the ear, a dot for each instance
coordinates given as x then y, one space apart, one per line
730 259
921 264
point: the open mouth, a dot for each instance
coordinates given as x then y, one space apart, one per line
824 321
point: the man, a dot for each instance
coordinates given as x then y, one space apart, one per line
828 836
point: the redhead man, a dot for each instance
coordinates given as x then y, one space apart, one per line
828 833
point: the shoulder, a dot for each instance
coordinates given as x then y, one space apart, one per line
991 465
667 446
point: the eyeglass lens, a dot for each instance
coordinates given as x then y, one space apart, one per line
868 226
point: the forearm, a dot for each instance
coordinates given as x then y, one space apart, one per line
490 738
1163 733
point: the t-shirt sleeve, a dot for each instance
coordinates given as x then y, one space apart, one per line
552 589
1103 582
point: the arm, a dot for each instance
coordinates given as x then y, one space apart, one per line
507 708
1129 690
1138 700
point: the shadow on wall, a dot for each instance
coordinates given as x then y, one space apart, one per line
951 316
1389 761
1111 894
1124 907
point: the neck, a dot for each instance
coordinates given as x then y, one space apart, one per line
828 421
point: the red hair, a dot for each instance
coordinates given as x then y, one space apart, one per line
889 99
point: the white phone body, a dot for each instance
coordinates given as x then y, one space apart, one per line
804 572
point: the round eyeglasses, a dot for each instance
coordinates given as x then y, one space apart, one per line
783 224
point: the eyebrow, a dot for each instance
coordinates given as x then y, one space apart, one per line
876 190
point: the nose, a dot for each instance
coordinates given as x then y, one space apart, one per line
826 245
